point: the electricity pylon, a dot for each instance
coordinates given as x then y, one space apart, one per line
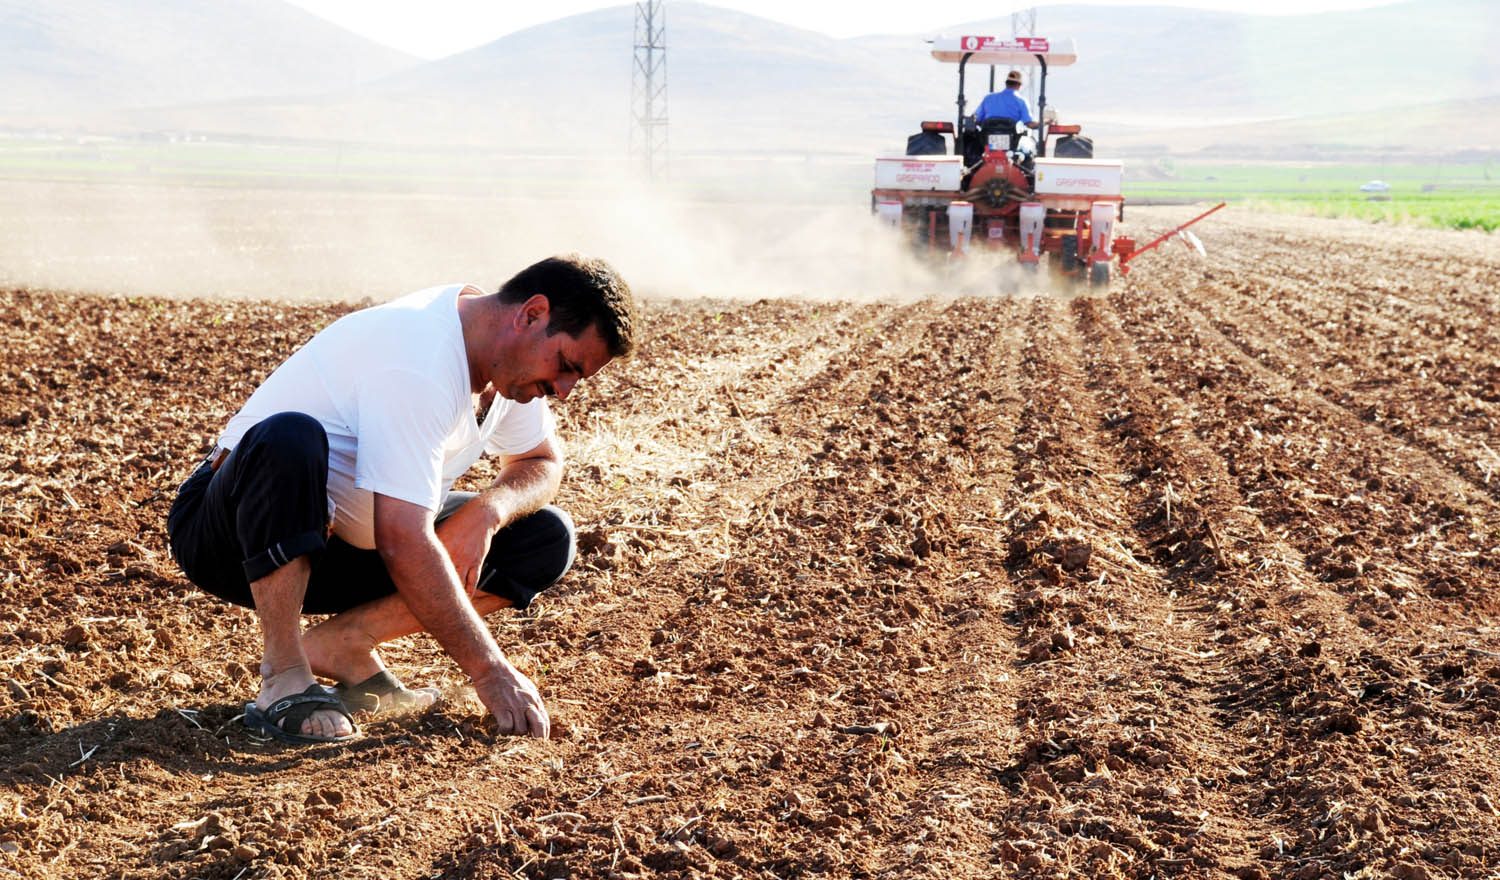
648 89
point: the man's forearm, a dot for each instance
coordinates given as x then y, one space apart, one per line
428 584
522 488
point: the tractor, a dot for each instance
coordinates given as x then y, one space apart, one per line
998 188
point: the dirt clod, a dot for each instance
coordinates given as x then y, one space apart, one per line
76 636
1075 556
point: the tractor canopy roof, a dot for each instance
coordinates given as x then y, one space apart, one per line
1002 51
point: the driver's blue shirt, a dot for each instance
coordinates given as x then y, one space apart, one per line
1003 105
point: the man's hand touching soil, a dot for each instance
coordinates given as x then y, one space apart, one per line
514 701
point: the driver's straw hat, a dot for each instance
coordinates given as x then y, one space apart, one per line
1013 77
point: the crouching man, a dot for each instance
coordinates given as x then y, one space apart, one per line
330 492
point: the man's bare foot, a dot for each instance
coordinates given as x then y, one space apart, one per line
325 723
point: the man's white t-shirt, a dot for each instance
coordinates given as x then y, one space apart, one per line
391 387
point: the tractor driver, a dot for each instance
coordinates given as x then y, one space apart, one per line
1007 104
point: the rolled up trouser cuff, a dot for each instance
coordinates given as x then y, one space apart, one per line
283 552
278 489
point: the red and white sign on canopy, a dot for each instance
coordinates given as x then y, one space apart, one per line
1011 51
994 44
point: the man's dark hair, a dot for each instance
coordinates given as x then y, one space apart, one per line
581 292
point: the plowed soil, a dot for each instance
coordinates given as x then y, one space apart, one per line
1195 578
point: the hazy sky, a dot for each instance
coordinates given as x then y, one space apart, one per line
435 28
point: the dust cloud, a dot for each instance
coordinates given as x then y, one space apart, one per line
303 243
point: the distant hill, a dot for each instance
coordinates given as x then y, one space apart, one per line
62 56
735 82
742 83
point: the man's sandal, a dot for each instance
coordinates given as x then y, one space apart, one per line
283 720
383 692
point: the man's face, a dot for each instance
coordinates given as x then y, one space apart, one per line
543 365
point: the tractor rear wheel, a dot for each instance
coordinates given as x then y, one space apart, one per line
1099 274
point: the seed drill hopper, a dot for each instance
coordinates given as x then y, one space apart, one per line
998 188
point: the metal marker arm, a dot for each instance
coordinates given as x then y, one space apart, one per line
1126 258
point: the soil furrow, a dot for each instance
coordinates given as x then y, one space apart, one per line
1320 705
1267 613
1185 510
747 595
1452 350
685 614
1403 486
1150 671
1457 428
1442 278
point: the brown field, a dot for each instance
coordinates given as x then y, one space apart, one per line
1194 579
